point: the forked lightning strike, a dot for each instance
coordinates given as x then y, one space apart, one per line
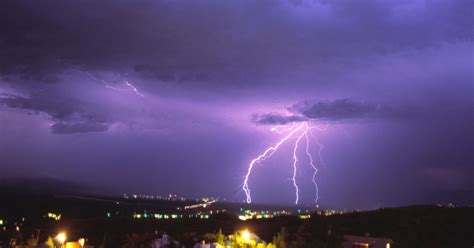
298 131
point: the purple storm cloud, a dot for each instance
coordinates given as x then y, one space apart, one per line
162 96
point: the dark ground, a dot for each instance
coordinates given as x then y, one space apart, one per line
411 226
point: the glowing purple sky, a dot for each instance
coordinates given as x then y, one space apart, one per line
394 80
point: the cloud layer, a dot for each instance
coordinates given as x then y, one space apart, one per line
336 110
331 110
67 114
206 71
239 42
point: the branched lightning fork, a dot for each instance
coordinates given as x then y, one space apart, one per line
298 131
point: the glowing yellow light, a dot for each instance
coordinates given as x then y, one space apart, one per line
61 237
245 235
82 241
387 245
72 245
304 217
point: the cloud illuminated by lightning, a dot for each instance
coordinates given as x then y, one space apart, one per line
298 131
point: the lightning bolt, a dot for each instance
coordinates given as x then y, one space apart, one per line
295 162
134 89
109 86
300 131
268 153
311 163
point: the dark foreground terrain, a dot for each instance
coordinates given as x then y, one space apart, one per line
109 222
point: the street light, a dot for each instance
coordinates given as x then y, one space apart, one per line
61 238
82 241
245 234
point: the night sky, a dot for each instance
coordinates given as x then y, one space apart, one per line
172 96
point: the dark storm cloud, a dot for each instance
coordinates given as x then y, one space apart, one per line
67 128
275 119
56 108
66 114
339 109
245 42
332 110
203 67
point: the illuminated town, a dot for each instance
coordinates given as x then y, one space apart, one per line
174 221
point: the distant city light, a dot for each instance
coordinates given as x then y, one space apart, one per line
137 216
304 216
54 216
242 217
82 242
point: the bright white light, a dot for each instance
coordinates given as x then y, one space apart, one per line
299 132
61 237
245 235
82 241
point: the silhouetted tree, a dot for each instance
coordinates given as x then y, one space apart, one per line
220 237
280 239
